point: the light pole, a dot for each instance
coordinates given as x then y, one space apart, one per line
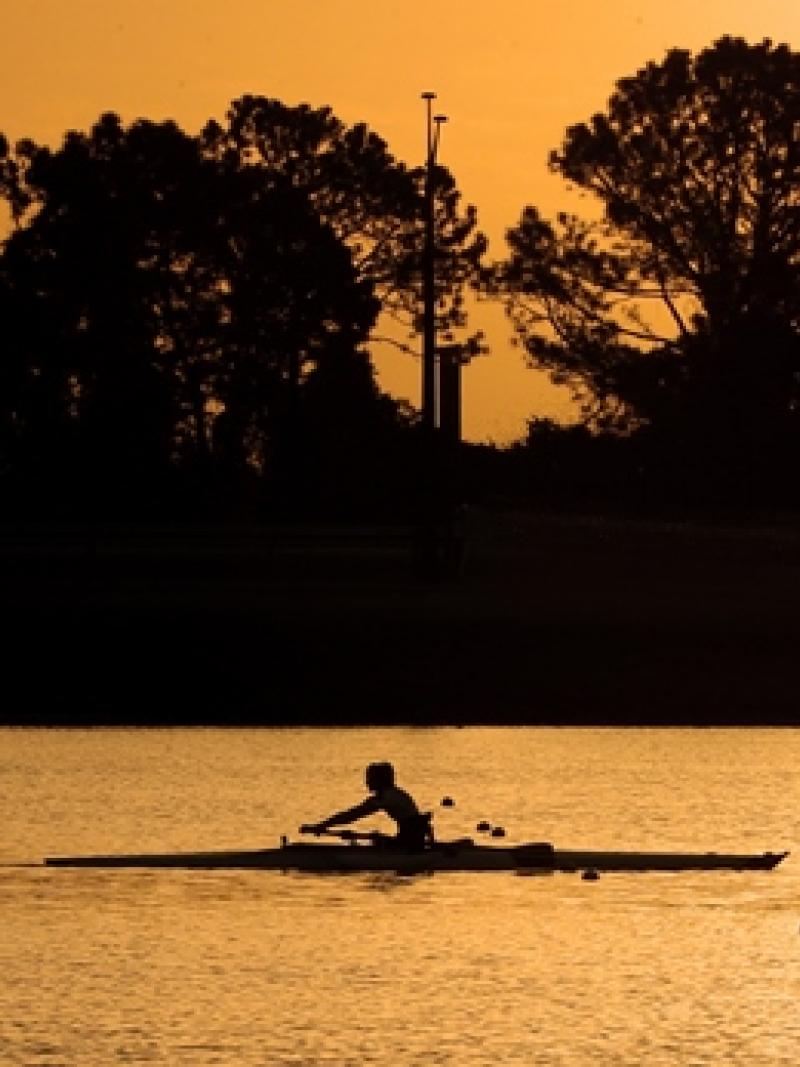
434 125
427 545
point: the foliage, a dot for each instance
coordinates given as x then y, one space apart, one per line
371 201
680 306
163 311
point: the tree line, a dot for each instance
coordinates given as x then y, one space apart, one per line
186 317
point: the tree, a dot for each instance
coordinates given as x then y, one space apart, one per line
372 202
164 310
93 410
293 305
172 298
680 305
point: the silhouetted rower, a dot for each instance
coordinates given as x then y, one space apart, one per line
413 827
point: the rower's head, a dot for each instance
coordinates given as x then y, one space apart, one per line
379 776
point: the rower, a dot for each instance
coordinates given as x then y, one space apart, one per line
414 829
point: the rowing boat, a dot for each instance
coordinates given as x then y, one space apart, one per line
463 855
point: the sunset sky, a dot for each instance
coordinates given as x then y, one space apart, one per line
511 75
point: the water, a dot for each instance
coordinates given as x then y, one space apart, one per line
247 967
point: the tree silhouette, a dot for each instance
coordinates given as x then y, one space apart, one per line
372 202
94 408
680 306
163 308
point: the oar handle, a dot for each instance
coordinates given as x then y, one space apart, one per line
343 835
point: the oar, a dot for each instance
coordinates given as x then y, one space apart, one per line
343 835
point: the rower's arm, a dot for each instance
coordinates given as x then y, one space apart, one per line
341 818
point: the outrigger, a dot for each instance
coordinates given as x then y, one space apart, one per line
368 852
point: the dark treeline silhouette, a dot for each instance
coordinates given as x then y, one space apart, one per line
184 318
675 315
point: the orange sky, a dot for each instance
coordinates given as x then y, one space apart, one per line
510 74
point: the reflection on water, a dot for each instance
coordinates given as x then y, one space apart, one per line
249 967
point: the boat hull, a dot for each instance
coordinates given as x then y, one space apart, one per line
455 857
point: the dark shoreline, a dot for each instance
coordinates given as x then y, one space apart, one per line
552 622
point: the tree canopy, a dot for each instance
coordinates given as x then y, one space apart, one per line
680 303
197 307
372 201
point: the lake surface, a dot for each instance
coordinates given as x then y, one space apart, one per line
257 967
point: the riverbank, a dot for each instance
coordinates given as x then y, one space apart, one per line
550 621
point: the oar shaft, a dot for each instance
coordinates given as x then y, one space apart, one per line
343 835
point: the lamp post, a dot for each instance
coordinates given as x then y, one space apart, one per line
429 391
427 544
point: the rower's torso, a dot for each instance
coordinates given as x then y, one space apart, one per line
397 803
